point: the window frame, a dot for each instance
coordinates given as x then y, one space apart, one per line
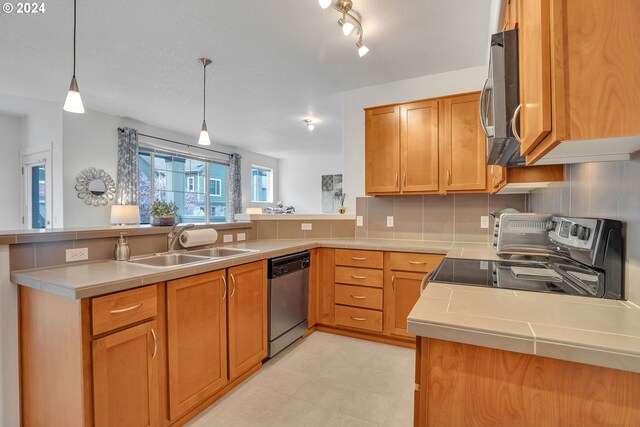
219 194
208 161
270 185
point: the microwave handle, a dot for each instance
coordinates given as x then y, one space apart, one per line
483 108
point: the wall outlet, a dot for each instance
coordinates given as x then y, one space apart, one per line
484 222
307 226
227 238
78 254
359 221
389 221
241 236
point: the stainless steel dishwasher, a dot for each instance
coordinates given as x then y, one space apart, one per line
288 299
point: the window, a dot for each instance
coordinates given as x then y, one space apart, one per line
168 177
261 184
215 187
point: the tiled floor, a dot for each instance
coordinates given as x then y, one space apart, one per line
323 380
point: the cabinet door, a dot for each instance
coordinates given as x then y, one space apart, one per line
463 144
401 295
535 72
382 150
196 339
247 317
498 178
419 141
125 378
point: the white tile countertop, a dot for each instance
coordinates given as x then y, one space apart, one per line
594 331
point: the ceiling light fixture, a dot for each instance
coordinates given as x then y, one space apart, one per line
309 124
348 22
73 103
204 133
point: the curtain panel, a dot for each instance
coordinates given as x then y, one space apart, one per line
127 177
234 199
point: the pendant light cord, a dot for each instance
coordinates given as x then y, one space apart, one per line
74 38
204 91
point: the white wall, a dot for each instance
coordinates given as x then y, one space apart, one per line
11 138
300 180
449 83
41 129
90 140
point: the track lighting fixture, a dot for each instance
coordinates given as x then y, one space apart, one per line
309 124
73 103
348 22
204 132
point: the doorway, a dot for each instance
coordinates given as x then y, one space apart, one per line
36 189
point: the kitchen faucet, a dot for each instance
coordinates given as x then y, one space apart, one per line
174 235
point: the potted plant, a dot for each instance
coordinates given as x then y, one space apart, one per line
163 213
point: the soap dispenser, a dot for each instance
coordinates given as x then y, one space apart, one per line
123 252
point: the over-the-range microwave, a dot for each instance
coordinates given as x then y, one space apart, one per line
500 100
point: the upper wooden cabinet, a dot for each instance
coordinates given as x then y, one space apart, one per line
419 145
382 153
579 86
247 312
464 164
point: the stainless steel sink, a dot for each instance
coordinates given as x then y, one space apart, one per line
222 252
169 260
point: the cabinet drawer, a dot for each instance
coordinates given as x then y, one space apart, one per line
356 258
121 309
359 296
360 318
359 276
423 263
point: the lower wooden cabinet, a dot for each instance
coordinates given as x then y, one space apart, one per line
247 312
402 294
196 339
125 378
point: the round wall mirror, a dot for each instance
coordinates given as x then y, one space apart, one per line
95 187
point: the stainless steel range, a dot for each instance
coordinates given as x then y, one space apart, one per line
544 253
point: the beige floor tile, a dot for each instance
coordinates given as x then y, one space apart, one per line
386 383
322 392
400 415
343 420
281 380
366 405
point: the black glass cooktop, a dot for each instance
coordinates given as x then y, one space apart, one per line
538 274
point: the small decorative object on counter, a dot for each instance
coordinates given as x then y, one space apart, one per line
281 209
163 213
342 209
123 252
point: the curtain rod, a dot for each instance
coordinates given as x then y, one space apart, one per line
180 143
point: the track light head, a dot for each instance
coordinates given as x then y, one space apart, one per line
347 27
362 49
309 124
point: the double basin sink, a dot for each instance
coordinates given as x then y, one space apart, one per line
185 258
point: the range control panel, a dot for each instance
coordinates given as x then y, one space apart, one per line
578 233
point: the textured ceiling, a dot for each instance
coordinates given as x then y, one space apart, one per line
274 62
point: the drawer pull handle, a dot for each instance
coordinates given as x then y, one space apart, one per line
358 277
224 280
424 282
393 284
417 262
358 297
359 319
123 310
155 344
356 258
233 290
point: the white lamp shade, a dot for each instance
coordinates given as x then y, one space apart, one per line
73 103
204 138
347 27
125 214
363 50
324 3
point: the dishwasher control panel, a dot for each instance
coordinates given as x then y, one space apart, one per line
289 263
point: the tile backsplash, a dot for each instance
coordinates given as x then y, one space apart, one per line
433 217
608 190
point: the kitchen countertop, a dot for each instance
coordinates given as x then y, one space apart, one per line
102 277
594 331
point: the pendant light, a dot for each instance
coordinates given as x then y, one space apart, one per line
204 133
73 103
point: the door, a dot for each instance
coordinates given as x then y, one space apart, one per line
462 144
419 142
125 378
535 72
247 311
36 190
196 339
498 178
382 150
402 294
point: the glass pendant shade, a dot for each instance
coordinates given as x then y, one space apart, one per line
204 135
73 103
347 28
324 3
362 50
